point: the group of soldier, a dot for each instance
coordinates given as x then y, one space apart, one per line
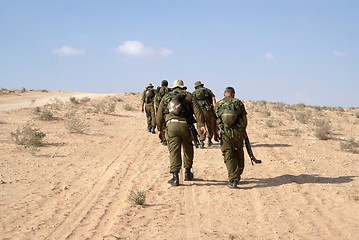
174 111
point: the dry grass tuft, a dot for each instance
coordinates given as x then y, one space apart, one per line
138 197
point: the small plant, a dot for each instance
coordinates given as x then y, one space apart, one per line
84 100
266 113
357 114
138 198
28 136
303 117
279 106
128 107
270 123
350 146
106 106
44 114
74 100
75 125
323 130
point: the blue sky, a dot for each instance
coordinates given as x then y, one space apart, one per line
284 51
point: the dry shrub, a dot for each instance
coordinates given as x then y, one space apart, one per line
270 123
138 197
106 106
303 117
357 114
73 123
74 100
350 146
323 130
279 106
28 136
43 114
265 113
128 107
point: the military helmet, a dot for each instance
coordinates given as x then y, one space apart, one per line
149 85
198 84
229 117
164 83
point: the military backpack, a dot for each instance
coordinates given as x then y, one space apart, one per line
149 95
229 111
174 103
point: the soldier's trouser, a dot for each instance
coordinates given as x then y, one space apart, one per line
178 135
150 114
210 119
232 151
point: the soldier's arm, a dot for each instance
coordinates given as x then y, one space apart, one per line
197 112
142 101
160 117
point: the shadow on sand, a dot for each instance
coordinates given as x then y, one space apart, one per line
288 179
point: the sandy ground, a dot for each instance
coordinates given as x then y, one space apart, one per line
77 185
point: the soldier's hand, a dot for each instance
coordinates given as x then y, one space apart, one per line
203 130
161 134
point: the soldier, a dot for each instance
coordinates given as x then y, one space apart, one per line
161 91
232 122
176 111
148 99
206 100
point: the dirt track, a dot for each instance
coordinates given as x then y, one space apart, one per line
77 187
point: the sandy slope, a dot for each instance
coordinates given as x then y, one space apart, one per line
77 185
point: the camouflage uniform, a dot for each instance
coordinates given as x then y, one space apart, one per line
204 97
148 100
232 137
176 132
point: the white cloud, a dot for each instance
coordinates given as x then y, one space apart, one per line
340 54
138 49
269 56
68 51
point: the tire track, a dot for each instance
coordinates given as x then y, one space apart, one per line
73 220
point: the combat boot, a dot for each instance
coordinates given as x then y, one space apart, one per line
201 144
174 181
232 184
153 130
210 143
188 175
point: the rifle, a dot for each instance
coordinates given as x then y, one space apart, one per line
249 150
194 133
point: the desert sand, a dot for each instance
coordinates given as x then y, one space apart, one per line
77 185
